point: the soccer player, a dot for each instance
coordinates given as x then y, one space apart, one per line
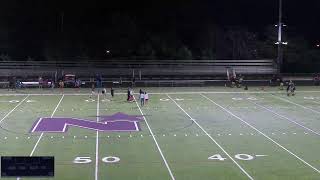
281 86
146 98
92 90
112 92
140 92
291 88
142 99
104 92
131 95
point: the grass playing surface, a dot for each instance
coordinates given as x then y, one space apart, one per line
187 134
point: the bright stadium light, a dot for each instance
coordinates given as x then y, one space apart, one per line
318 45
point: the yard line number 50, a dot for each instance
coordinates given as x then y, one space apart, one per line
86 160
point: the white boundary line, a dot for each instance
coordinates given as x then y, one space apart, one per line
229 112
97 143
155 140
304 107
284 117
160 93
235 162
55 109
13 109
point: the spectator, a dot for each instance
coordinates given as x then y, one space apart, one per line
40 81
316 79
61 85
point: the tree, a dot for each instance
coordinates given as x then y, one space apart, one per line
184 53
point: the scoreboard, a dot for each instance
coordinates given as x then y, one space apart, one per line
26 166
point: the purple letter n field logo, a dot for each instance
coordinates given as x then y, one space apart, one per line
116 122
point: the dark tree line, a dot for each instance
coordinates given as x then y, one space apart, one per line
126 36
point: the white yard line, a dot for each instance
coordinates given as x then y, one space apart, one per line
304 107
316 102
97 143
13 109
282 147
284 117
235 162
155 141
164 93
55 109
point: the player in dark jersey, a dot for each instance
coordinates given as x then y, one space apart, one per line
291 88
112 92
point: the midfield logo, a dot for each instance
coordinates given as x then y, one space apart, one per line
115 122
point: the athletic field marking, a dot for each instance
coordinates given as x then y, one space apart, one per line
97 143
316 102
312 98
284 117
90 100
235 162
105 100
229 112
13 109
261 155
155 141
54 111
191 92
304 107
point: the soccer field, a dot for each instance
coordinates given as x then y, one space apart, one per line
209 133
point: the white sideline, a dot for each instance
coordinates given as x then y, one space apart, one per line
284 117
13 109
235 162
304 107
97 143
164 93
154 139
229 112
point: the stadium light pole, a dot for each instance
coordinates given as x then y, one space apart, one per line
280 52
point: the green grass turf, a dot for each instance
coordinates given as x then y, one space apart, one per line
291 149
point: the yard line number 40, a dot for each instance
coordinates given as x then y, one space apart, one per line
243 157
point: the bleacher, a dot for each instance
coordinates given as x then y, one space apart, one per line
156 68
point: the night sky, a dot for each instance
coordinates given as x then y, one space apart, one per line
34 19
